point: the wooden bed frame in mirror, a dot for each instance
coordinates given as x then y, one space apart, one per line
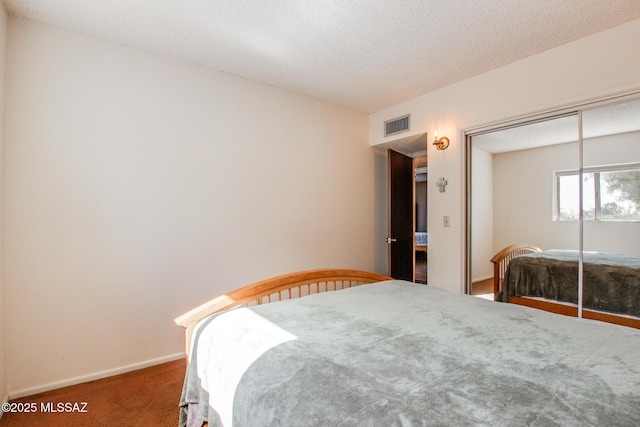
501 262
287 286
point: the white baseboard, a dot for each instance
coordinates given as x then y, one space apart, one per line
480 279
94 376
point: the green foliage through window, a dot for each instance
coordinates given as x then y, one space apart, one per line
609 193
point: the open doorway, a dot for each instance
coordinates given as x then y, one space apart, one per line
414 213
407 231
421 234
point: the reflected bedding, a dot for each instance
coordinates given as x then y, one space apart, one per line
611 282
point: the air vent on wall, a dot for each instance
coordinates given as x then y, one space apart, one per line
397 125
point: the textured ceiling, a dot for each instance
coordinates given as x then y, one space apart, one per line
363 54
607 120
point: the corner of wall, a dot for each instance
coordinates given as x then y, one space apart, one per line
4 396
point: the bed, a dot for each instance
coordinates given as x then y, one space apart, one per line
422 243
524 274
398 353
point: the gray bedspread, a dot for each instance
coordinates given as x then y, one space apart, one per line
401 354
611 282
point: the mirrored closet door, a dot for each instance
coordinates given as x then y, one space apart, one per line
611 209
514 208
553 211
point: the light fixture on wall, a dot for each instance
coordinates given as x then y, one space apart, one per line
442 143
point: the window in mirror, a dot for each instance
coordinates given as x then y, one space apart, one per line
620 192
610 193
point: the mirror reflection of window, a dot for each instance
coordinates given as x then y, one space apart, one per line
610 192
620 195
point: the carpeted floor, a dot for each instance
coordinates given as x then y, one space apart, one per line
146 397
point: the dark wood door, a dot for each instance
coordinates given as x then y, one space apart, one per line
401 234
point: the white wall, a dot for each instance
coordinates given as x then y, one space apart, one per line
523 186
3 339
605 63
138 187
523 198
482 215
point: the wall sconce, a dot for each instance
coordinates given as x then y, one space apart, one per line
442 143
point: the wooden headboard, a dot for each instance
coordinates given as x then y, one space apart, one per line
287 286
501 261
